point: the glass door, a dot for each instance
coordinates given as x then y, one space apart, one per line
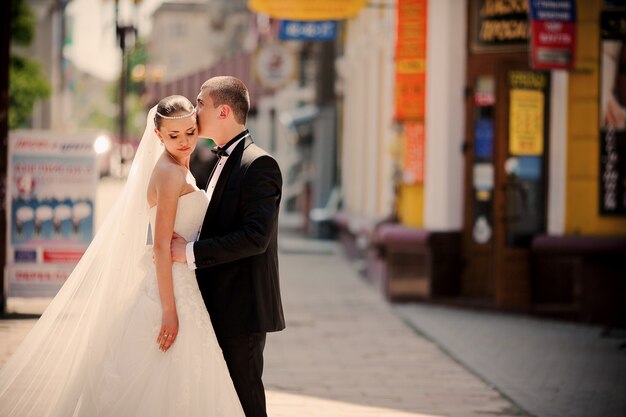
505 187
521 177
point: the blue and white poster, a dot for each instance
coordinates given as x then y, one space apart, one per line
50 200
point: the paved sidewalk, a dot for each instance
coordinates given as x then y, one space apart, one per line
344 352
549 368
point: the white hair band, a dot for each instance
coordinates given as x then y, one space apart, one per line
177 117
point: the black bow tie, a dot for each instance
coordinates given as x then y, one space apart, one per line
221 151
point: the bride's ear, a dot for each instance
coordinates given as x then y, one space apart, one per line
158 133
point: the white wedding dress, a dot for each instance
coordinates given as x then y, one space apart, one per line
191 378
93 352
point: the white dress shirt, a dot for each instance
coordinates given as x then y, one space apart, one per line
191 257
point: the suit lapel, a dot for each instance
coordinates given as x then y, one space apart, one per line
233 162
211 165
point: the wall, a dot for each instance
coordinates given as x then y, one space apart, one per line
367 133
583 143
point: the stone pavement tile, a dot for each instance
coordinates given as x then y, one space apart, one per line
346 352
549 368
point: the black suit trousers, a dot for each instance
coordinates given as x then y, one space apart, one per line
244 358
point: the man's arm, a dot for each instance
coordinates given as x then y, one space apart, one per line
260 199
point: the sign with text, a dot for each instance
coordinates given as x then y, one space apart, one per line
612 175
526 112
307 9
553 38
291 30
50 200
410 93
526 116
499 25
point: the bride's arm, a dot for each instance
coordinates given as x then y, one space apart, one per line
168 181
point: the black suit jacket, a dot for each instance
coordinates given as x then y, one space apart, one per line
236 255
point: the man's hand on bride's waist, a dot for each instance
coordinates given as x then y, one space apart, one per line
178 248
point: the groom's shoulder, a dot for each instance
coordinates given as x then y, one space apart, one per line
260 159
254 152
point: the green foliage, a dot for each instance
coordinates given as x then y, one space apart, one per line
27 83
22 23
26 86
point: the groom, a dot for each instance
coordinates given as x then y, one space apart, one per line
235 257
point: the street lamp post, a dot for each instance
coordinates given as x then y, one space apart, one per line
5 39
122 31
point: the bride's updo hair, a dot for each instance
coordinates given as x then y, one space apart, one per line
173 107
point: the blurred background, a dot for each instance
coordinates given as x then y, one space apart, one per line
457 153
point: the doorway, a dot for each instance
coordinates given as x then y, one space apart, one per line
505 177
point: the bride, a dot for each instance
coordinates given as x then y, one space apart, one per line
128 335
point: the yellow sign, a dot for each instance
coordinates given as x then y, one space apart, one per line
410 66
307 9
526 122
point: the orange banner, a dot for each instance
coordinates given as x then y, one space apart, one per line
410 94
307 9
414 153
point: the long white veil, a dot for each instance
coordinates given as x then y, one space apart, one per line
60 360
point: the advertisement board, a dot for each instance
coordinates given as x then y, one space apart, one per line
612 175
410 57
553 34
50 208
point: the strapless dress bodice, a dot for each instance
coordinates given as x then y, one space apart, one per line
189 214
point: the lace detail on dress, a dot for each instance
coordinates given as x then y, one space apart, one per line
191 379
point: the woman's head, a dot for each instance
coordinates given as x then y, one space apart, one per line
173 108
176 126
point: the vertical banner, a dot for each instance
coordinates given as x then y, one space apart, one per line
50 200
553 34
413 172
612 175
410 93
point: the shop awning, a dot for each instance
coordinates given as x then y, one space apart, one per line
307 9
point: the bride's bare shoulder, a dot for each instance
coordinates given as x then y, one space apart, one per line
165 174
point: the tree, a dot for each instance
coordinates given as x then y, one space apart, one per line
27 83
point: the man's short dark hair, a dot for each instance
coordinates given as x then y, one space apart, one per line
231 91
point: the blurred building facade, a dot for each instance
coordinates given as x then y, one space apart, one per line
189 36
179 42
489 220
47 49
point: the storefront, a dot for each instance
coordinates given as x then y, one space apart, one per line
541 166
521 203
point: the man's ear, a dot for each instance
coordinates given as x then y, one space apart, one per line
224 112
